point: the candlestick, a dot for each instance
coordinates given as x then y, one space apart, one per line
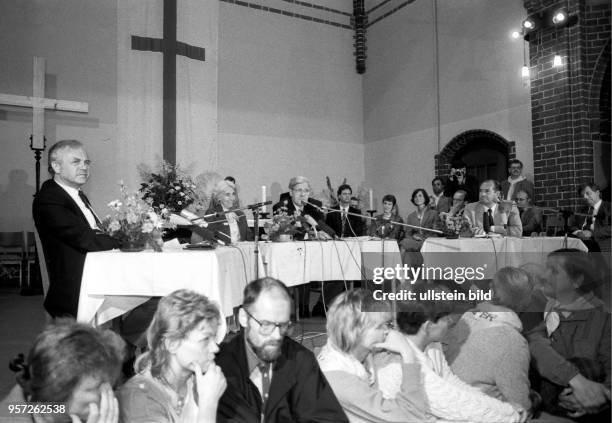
263 198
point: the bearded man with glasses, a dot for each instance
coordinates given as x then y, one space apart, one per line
270 377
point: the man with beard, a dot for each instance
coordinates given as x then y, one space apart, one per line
270 377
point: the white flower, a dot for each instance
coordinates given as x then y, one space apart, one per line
147 227
114 226
131 217
115 205
179 203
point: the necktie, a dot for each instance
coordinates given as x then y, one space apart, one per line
343 221
588 221
552 320
487 220
85 201
265 384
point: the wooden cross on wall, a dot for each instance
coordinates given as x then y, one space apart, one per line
38 103
170 48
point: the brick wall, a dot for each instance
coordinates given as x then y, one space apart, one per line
565 101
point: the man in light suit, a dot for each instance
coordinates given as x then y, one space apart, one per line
504 218
67 225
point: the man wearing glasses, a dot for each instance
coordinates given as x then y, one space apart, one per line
270 377
516 182
531 216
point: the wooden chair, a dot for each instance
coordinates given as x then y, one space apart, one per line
12 251
29 251
554 224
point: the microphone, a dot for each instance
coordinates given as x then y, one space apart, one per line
194 218
258 205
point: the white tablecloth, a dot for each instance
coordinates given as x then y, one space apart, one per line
115 282
493 253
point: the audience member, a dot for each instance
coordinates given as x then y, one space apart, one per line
486 348
531 216
71 370
382 226
459 179
594 230
229 227
571 347
338 217
424 324
516 182
177 379
438 201
423 217
355 330
310 217
501 217
68 226
270 377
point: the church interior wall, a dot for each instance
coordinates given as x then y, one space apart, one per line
78 39
290 101
480 87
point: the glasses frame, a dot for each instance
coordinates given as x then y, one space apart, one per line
283 328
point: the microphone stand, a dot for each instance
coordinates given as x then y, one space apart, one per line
330 210
255 209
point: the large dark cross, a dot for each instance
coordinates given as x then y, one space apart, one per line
170 48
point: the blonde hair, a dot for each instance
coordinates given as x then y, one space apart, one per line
220 188
176 316
351 313
299 180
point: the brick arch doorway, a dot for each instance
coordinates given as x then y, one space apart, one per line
484 152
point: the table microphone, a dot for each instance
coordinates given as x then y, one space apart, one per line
194 218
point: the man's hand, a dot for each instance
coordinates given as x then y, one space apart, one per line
590 395
586 234
108 412
310 220
397 343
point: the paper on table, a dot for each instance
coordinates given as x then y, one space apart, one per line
175 219
173 244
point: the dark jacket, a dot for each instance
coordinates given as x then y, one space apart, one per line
298 392
66 238
308 209
218 228
334 221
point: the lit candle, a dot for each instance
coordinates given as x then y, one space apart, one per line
263 198
371 200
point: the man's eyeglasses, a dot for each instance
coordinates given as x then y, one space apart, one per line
266 327
302 191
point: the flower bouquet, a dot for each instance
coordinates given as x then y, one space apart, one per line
135 222
282 226
456 225
168 188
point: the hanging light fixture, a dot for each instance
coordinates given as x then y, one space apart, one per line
557 61
560 16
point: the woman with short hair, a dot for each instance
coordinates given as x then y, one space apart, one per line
177 379
357 325
383 224
69 374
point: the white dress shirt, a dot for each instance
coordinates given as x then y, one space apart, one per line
74 194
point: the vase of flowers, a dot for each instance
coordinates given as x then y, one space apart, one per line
135 222
282 226
455 225
168 187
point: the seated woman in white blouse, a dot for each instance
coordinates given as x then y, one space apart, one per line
448 397
231 227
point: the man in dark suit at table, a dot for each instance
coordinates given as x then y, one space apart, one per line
592 225
338 217
68 226
299 204
270 377
501 217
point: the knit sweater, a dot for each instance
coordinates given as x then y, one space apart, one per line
486 350
361 399
448 396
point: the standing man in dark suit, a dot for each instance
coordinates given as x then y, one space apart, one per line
270 377
339 219
67 225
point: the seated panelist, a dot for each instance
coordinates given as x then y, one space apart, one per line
502 217
229 227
